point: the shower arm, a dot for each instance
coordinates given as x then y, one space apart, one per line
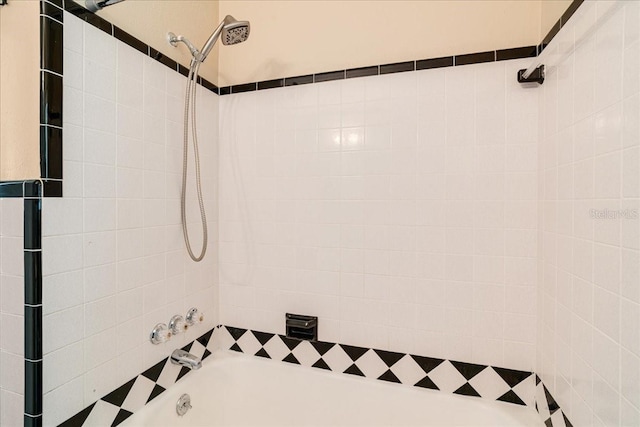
198 56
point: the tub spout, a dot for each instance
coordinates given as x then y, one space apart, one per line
183 358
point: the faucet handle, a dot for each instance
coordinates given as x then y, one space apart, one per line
177 324
194 316
160 334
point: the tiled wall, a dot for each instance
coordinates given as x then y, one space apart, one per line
589 275
11 312
114 261
400 209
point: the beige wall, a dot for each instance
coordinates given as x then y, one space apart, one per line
20 99
551 11
289 38
150 21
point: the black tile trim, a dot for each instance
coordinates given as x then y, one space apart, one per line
32 381
11 189
51 152
182 69
398 67
298 80
51 44
248 87
33 344
363 72
427 64
52 188
329 76
130 40
207 84
162 58
225 90
475 58
50 99
517 53
575 4
51 11
550 35
270 84
32 224
32 421
33 278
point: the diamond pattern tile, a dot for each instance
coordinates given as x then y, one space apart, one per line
489 384
407 370
447 377
372 365
276 348
494 383
306 354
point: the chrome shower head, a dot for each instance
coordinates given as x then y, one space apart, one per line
235 32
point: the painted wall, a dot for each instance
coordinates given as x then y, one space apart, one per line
150 22
400 209
19 80
290 38
11 313
114 262
589 274
550 12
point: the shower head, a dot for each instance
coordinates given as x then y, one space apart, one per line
233 32
96 5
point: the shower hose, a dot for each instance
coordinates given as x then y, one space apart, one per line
190 104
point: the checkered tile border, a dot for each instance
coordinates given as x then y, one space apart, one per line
121 403
548 408
468 379
506 385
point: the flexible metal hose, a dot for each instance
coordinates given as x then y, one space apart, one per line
190 104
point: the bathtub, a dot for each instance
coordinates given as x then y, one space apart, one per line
233 389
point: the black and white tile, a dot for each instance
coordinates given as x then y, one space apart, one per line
506 385
121 403
547 407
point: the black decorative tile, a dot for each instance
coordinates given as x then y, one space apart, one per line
475 58
32 421
389 376
551 34
32 189
399 67
163 59
248 87
517 53
33 277
208 85
32 226
427 64
362 72
270 84
427 382
11 189
157 391
575 4
225 90
182 70
468 370
59 3
50 99
130 40
51 45
51 11
52 188
78 419
50 152
118 396
327 77
354 352
467 390
32 384
298 80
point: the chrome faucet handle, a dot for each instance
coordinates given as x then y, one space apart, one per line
160 334
177 324
194 316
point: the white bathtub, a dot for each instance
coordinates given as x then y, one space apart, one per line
233 389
